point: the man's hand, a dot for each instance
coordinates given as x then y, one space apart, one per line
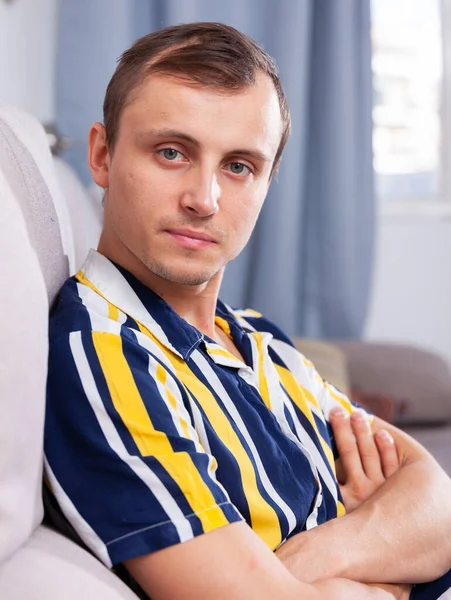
400 533
366 460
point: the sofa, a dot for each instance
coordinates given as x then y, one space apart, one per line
47 224
37 253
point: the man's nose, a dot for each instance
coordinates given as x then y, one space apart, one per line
202 196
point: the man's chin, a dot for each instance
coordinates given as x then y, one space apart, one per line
183 276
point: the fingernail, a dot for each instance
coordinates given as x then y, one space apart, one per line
359 415
383 433
338 411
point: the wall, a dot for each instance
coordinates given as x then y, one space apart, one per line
411 299
27 50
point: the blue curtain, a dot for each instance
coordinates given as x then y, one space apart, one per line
309 263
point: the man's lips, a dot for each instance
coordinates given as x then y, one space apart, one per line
190 239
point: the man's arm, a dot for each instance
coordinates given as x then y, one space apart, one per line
232 562
401 533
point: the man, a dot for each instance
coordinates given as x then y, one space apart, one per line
190 442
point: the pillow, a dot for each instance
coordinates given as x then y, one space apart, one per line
329 361
417 382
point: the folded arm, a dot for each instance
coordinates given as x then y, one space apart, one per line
232 562
400 533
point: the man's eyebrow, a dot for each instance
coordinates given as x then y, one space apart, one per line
180 135
256 154
169 133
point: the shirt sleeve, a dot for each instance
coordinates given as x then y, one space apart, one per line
122 456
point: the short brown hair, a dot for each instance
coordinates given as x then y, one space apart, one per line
210 54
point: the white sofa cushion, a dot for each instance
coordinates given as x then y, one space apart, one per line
23 370
33 194
84 211
51 567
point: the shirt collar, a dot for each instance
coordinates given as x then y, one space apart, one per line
128 294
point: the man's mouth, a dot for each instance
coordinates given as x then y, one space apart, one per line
190 238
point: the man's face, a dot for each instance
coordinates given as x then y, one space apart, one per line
188 176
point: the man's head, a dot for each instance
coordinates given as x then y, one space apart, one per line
195 121
209 54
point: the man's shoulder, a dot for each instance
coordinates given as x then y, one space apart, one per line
77 308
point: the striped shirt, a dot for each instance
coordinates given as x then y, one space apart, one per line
155 434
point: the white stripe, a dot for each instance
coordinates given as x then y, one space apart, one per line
255 357
197 434
122 317
317 460
278 401
112 284
446 595
199 423
138 466
217 386
294 362
97 308
179 412
198 430
148 344
83 528
239 316
328 402
309 379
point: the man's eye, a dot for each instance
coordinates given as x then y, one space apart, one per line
238 168
171 154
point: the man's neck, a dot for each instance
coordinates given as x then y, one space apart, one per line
194 303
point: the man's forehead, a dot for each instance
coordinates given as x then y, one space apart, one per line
167 103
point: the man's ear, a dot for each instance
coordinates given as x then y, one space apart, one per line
98 155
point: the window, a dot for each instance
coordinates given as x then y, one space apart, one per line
409 113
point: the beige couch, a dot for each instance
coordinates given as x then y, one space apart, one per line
405 385
36 249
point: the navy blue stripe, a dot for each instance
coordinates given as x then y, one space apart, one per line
433 590
228 471
106 492
161 419
68 311
273 447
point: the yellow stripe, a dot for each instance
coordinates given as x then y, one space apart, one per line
345 403
298 395
222 323
221 352
264 519
130 406
341 510
113 312
262 383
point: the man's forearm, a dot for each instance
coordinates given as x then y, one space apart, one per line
400 534
344 589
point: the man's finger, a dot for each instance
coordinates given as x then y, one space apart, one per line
346 442
387 451
369 453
